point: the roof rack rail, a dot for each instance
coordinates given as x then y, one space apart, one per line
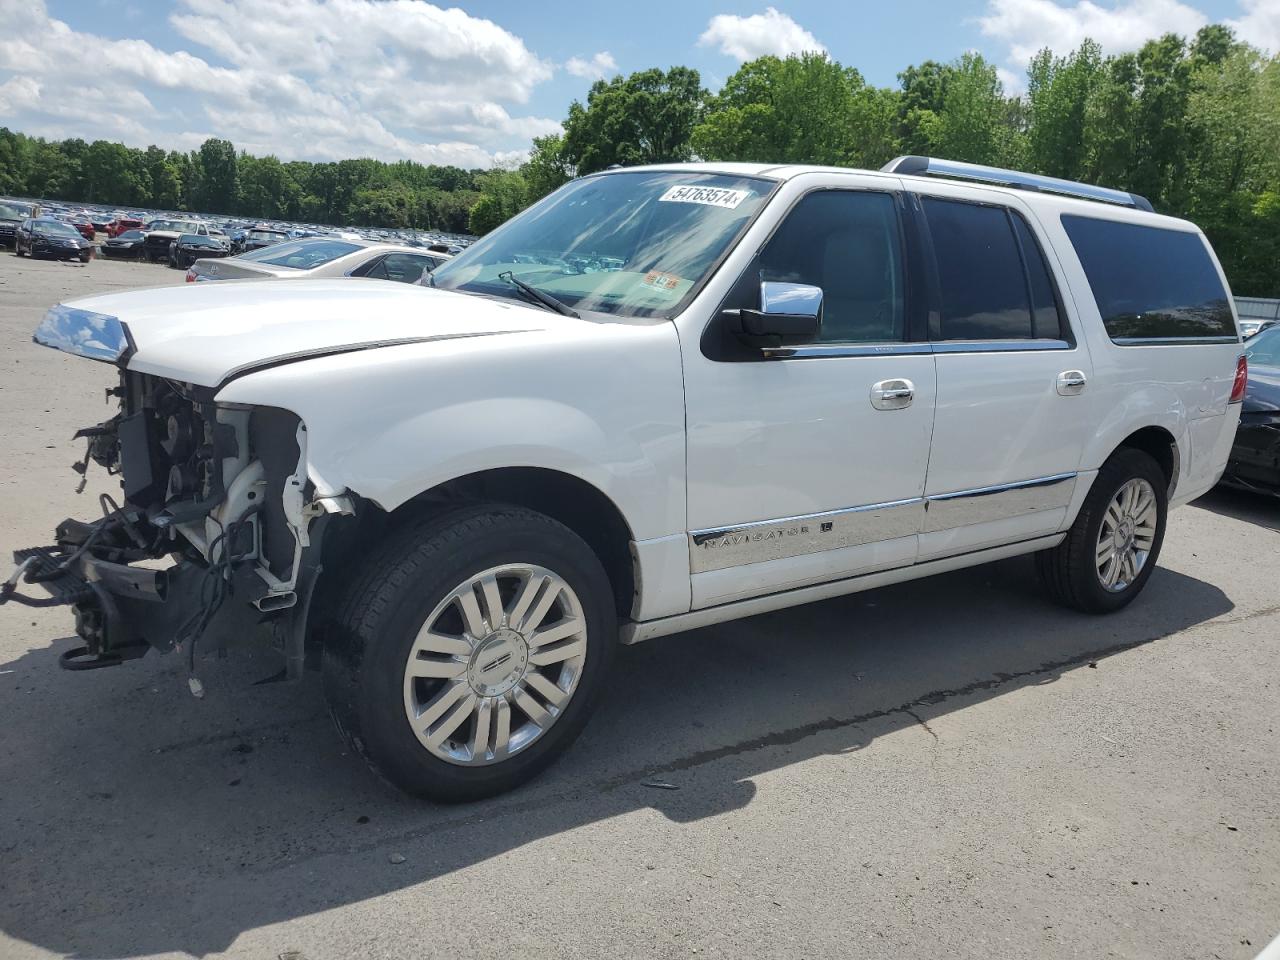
956 170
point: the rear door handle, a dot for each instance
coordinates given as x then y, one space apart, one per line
1072 382
892 394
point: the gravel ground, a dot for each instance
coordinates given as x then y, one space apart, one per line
951 768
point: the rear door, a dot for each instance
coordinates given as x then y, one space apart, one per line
1012 414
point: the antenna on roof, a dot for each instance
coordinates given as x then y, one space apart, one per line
956 170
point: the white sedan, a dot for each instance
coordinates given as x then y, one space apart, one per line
322 257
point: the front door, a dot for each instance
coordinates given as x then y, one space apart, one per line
808 464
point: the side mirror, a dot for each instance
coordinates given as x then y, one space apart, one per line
789 314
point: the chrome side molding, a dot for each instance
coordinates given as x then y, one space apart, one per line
765 540
724 547
983 504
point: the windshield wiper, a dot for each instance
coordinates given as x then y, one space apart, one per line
546 299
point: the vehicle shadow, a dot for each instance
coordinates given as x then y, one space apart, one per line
137 820
1255 508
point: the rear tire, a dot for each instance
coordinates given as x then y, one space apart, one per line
1111 549
434 670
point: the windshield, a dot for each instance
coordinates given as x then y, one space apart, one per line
631 244
131 235
266 235
14 211
54 228
301 254
1263 349
178 226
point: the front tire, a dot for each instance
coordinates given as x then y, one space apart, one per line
469 653
1111 550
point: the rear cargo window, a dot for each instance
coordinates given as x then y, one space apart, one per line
1150 283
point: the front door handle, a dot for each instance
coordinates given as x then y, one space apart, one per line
892 394
1072 382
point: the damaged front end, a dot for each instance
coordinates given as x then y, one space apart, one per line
216 539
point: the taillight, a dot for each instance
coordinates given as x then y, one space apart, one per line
191 278
1241 381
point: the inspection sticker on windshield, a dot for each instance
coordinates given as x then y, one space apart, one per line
709 196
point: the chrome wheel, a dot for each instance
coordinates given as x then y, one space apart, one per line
1127 535
495 664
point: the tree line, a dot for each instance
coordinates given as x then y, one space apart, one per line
217 179
1194 125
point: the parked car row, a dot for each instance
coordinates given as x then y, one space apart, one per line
93 221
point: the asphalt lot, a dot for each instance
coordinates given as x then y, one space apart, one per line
951 768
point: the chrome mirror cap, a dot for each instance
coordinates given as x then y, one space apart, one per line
792 299
84 333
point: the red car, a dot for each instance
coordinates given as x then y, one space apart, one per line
121 224
85 228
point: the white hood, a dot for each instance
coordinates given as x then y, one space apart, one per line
204 333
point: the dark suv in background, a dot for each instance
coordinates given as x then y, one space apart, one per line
12 213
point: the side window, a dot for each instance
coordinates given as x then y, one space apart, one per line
1150 283
848 244
403 267
986 292
1046 316
374 268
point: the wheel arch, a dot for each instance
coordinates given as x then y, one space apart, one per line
566 498
1161 446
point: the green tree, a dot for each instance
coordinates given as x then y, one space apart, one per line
546 169
805 109
503 194
647 117
164 180
218 176
112 174
1059 91
971 124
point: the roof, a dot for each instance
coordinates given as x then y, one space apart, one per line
788 171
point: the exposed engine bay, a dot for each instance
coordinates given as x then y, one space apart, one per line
210 544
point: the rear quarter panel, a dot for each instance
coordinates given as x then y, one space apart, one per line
1183 388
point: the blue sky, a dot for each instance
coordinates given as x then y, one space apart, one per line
322 79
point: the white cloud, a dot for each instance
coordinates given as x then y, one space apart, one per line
597 68
1028 26
1260 24
761 34
1013 83
314 79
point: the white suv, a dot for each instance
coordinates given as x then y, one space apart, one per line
660 398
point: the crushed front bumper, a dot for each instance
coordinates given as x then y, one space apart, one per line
123 609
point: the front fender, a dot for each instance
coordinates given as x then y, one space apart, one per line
604 403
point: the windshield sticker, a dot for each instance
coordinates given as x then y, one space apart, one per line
662 281
708 196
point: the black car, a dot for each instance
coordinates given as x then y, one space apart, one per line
190 247
125 246
46 237
12 213
1255 457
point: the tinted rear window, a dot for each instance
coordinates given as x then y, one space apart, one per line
988 290
1150 283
